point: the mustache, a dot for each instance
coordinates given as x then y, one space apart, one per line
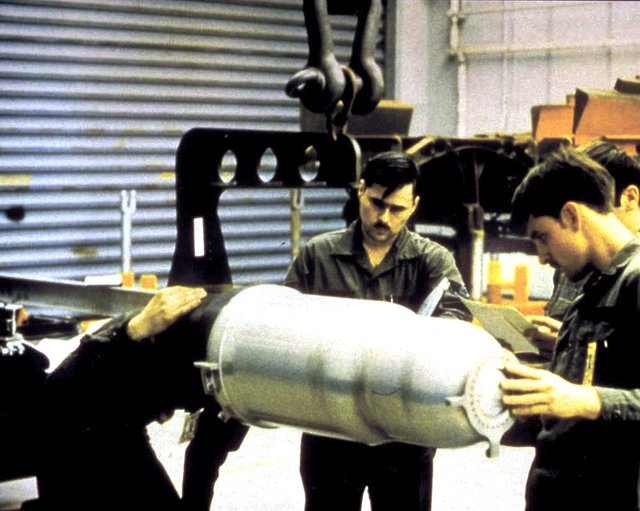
381 225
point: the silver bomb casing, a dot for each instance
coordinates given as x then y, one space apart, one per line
361 370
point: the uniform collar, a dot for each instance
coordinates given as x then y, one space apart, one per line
624 256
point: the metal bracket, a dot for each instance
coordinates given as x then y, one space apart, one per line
200 257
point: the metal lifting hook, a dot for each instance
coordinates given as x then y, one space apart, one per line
336 121
324 82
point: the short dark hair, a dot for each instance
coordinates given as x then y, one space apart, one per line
622 166
565 175
391 169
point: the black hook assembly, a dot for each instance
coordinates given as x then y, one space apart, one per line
324 83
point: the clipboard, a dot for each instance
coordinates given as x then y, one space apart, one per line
505 323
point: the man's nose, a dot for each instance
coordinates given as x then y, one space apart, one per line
384 215
543 256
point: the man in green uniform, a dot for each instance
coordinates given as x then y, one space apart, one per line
625 170
377 258
587 453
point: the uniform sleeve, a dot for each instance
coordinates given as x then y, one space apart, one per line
623 404
442 265
104 380
114 330
451 306
298 274
619 404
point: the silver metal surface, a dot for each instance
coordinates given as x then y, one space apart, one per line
61 294
372 372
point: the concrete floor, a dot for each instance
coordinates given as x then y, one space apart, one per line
263 474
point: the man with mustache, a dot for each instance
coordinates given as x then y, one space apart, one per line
377 258
587 452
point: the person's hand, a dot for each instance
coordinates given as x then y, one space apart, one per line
545 334
163 310
530 391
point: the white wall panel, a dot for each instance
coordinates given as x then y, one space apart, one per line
519 54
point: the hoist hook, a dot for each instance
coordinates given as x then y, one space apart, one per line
324 82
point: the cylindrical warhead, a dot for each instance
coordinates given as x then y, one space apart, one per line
372 372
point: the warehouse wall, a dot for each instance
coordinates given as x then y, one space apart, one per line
485 72
520 54
94 97
421 70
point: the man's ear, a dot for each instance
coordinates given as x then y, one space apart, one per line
570 216
416 201
361 187
630 198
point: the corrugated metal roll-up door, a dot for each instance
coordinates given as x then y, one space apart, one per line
94 97
261 253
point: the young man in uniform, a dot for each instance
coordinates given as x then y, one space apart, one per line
587 452
625 171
